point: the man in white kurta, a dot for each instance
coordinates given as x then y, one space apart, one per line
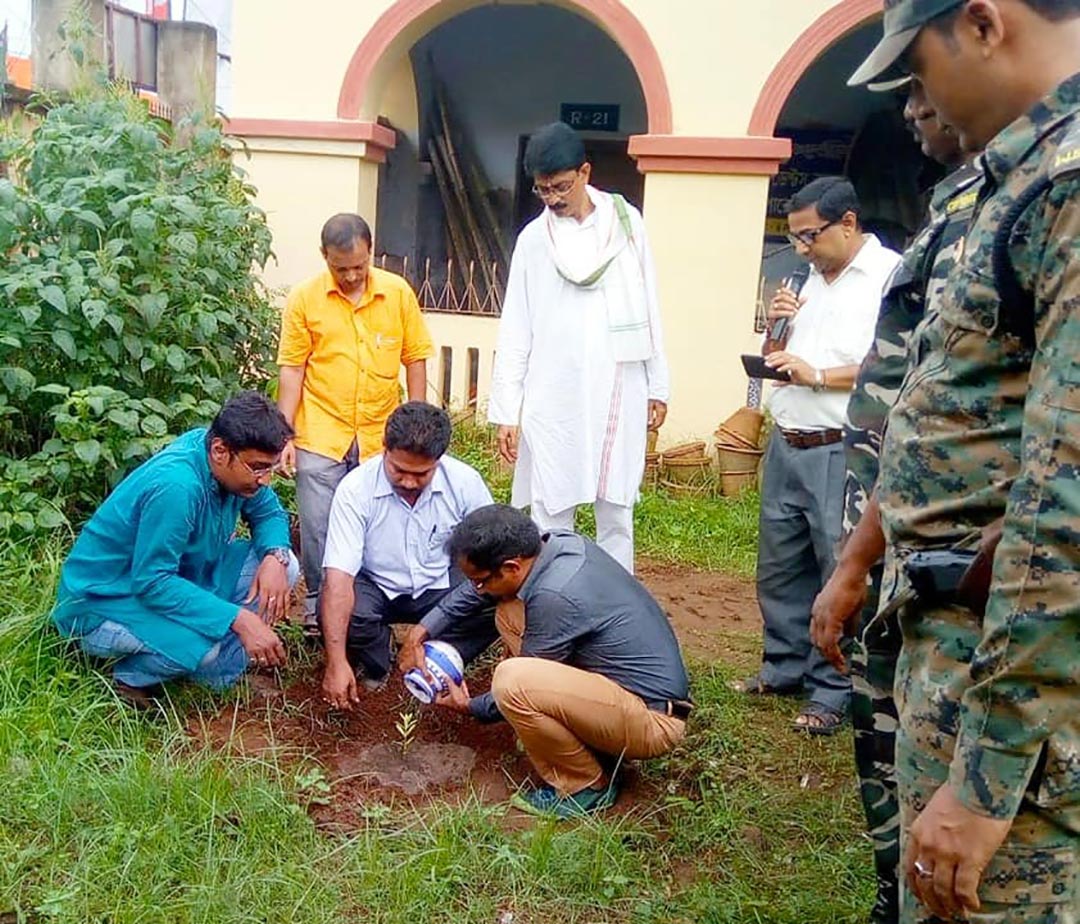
580 372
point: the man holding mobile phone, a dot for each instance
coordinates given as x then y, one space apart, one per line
829 327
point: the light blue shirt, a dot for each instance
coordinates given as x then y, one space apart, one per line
401 548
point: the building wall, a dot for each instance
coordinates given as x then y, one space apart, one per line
706 228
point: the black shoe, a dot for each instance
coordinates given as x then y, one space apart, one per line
140 698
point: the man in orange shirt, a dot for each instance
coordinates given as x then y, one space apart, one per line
345 335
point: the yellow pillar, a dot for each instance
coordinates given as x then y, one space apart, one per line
706 237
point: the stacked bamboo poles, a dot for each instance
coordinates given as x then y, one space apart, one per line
474 240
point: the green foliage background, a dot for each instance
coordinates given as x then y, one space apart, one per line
129 303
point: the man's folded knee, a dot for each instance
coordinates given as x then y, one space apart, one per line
513 677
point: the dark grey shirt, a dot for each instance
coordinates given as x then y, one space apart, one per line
582 608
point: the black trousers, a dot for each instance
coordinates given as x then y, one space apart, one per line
367 645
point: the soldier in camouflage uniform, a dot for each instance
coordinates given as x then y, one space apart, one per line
987 425
921 275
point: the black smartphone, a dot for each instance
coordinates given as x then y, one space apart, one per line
755 368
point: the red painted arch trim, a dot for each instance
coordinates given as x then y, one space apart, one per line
377 139
682 154
611 15
826 29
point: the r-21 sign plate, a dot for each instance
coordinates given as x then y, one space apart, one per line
591 117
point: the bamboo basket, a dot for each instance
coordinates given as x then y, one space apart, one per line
736 459
651 476
731 438
732 483
686 490
686 470
684 449
746 423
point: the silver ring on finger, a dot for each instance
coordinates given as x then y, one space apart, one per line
923 872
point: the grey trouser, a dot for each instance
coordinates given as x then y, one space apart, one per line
317 477
802 509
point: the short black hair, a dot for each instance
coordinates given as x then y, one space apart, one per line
490 536
250 420
419 428
344 230
552 149
833 196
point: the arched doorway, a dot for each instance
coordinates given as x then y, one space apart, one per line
837 129
461 83
452 193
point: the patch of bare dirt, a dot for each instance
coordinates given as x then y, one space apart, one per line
367 761
713 614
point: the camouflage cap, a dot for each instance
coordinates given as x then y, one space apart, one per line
902 22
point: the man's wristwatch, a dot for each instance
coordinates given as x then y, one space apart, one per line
281 554
819 380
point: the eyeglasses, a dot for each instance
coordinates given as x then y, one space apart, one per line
547 190
261 470
809 236
479 582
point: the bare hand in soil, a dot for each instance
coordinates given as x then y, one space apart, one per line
339 686
411 653
456 697
271 589
508 443
260 642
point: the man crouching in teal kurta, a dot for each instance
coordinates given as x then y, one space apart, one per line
157 581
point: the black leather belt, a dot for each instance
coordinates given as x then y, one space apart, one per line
676 708
808 439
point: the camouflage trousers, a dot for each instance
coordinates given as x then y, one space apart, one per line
1032 879
873 718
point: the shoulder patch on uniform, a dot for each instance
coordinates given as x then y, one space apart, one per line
964 200
1067 157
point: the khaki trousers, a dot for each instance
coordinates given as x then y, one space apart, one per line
565 716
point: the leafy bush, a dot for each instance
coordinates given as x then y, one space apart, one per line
129 305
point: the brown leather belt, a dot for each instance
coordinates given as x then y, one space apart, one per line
808 439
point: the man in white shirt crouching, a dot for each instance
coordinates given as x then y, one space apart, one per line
386 559
828 328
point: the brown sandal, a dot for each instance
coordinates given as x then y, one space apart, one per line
818 719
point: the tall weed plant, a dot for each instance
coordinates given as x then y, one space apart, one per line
129 301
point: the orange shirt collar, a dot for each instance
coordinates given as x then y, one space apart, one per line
375 288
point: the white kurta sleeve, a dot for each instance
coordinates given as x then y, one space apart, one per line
656 368
512 347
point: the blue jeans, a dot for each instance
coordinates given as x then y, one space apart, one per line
139 666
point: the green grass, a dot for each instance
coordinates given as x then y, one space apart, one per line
715 533
106 815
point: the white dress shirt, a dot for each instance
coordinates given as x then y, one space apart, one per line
835 327
401 548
